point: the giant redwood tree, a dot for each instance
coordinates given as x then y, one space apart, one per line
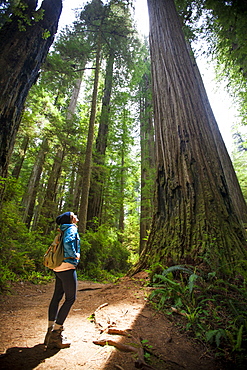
24 42
195 219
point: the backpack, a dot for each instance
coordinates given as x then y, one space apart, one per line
54 255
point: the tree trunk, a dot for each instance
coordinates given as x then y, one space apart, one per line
78 187
20 159
22 53
121 198
74 99
194 219
147 161
30 195
49 208
237 197
98 171
67 199
89 148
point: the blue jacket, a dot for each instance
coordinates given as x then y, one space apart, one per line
71 243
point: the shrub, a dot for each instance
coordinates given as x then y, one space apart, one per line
211 309
101 251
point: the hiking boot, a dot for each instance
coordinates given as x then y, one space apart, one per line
57 340
47 336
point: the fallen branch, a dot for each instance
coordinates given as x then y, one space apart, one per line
120 346
101 306
119 367
136 348
178 312
118 332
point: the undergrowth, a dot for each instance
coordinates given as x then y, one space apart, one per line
21 254
103 257
209 308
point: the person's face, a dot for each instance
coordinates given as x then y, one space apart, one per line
74 218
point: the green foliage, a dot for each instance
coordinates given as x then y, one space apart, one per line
102 254
222 24
46 34
239 155
20 9
6 276
21 251
213 310
46 117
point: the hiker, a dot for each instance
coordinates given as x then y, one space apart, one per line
66 282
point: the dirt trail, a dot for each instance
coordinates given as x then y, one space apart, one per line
122 306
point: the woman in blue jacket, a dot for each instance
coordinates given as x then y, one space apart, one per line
66 282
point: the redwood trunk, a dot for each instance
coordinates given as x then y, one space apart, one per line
237 197
147 161
98 171
22 53
19 162
49 207
88 158
195 220
30 195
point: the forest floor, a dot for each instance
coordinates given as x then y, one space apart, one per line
118 315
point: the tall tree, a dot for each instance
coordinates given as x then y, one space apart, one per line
238 200
89 149
24 42
98 171
49 205
195 220
20 157
120 45
147 158
94 15
29 198
220 42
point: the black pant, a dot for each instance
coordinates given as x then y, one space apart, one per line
66 283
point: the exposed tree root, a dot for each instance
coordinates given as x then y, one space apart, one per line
118 345
175 310
119 367
105 325
134 346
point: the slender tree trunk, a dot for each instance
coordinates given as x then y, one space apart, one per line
38 206
78 187
194 218
147 161
89 148
74 99
19 162
49 208
30 195
98 171
121 199
22 53
68 201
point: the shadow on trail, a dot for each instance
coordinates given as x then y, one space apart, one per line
26 358
143 338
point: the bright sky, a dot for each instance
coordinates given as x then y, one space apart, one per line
221 102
